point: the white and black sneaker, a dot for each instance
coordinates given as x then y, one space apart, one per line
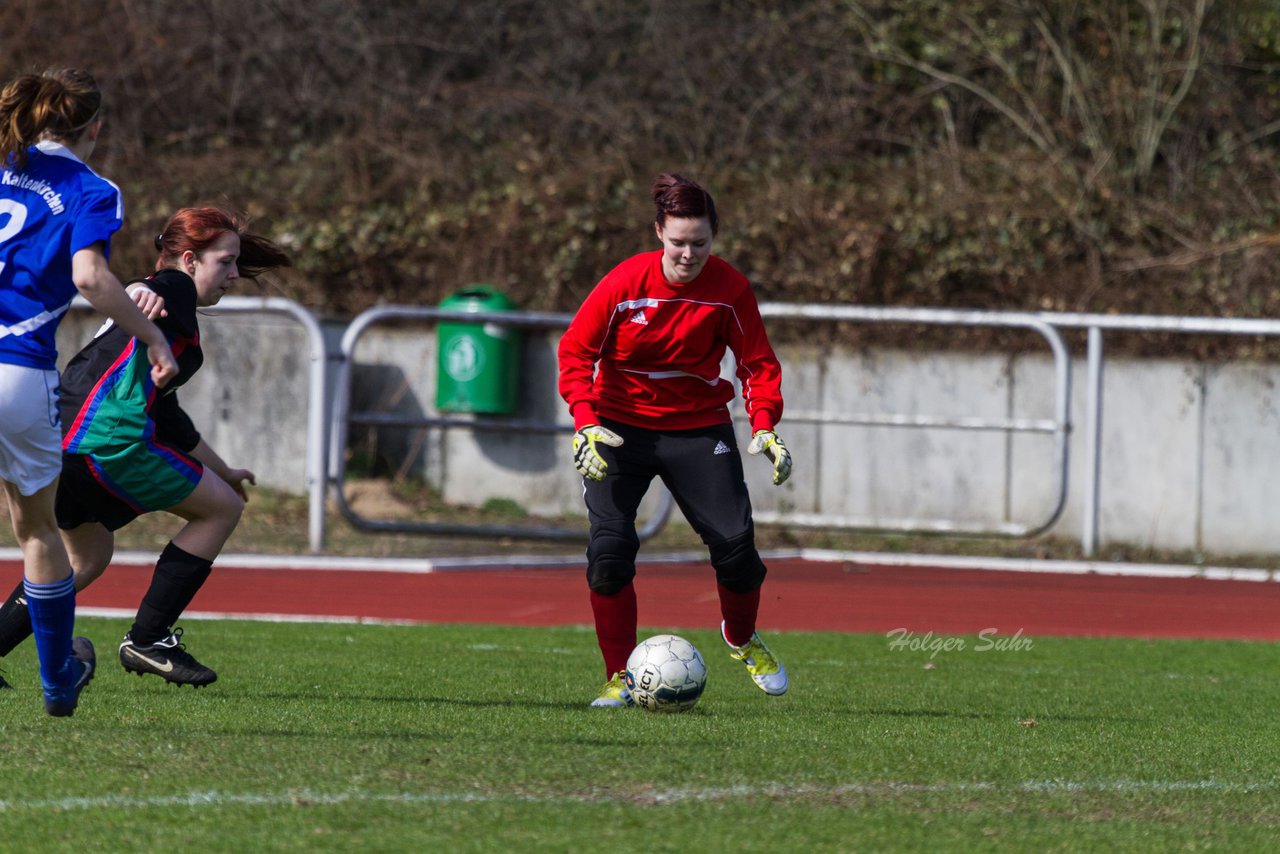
167 658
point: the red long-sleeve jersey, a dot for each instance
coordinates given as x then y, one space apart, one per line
658 346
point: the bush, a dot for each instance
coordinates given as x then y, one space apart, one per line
999 154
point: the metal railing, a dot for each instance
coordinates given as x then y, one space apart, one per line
327 427
1058 426
1095 324
343 418
317 420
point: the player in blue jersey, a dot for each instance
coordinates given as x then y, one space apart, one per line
56 221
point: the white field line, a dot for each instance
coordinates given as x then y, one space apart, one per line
129 613
307 797
517 561
410 566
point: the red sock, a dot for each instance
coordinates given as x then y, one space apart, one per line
739 612
615 627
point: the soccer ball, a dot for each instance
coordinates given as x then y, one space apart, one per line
666 673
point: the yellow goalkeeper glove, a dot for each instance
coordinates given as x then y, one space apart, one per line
586 459
768 443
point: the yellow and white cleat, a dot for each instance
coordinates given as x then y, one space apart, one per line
761 663
615 694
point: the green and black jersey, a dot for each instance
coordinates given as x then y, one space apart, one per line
108 401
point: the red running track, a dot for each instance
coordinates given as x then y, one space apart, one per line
799 595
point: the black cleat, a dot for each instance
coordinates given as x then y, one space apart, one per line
167 658
62 704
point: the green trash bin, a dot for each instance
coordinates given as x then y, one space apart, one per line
477 363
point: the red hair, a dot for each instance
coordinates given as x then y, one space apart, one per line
677 196
196 229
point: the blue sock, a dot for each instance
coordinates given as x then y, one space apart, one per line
53 616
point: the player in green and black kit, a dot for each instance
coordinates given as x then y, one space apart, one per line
129 448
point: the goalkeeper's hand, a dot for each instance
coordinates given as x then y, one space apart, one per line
586 459
767 441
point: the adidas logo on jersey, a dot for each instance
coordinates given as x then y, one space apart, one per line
721 448
639 318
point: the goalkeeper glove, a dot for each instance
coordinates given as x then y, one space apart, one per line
768 442
586 459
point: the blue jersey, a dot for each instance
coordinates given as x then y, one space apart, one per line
49 211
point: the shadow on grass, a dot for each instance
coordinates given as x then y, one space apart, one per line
316 699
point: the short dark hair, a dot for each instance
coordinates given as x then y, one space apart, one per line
677 196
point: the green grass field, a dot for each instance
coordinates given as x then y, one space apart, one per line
329 737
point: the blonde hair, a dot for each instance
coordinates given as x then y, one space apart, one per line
58 104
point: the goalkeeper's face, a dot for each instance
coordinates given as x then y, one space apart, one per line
686 245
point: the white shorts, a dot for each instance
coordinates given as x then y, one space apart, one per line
30 434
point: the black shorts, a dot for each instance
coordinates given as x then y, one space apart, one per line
701 468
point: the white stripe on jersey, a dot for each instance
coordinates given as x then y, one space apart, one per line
667 375
33 323
635 303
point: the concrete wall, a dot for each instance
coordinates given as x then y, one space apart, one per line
249 401
1190 453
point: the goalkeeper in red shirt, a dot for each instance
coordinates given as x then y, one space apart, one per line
640 370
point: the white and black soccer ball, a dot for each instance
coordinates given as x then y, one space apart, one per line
666 673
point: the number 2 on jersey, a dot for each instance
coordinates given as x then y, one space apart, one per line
15 214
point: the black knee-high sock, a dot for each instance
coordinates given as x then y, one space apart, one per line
174 583
15 620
